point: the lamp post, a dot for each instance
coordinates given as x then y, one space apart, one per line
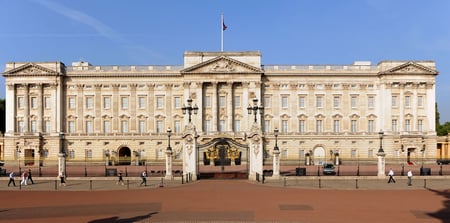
381 156
189 109
18 152
276 156
423 149
255 108
169 154
61 156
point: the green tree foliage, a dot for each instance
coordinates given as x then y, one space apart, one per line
441 130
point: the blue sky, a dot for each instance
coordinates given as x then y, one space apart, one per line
138 32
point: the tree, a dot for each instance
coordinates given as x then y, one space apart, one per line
441 130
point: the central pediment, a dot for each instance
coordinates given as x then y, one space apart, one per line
31 69
221 65
411 68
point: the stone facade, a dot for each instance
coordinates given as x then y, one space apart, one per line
119 114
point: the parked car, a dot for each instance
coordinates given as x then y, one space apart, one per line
328 169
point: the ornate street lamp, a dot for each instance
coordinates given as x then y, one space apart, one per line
189 109
62 155
169 156
275 133
381 133
276 156
169 133
255 108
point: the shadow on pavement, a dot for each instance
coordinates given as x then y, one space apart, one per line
444 213
124 220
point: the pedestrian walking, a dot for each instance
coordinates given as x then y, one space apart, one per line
24 178
144 178
11 179
391 176
120 180
30 178
62 179
410 175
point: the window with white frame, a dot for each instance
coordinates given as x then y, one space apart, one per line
159 102
33 126
319 127
336 126
89 127
394 125
336 101
370 153
141 102
222 126
89 102
354 126
20 102
267 125
124 102
237 125
284 126
222 101
207 126
47 127
159 126
267 101
370 126
71 125
370 101
301 102
142 126
47 103
408 125
33 102
284 101
207 101
20 126
107 126
407 101
284 154
420 101
177 102
319 102
124 126
107 102
237 101
301 126
354 101
420 125
394 101
177 126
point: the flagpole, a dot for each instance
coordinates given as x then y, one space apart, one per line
221 39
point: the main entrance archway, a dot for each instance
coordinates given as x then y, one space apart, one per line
223 158
124 156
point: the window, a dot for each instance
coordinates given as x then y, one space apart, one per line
107 102
267 101
284 154
319 102
20 102
318 126
371 102
47 126
89 127
159 126
353 154
107 126
370 126
394 125
33 102
354 127
33 126
207 126
124 126
336 101
20 126
336 126
370 153
207 101
124 102
420 125
284 101
71 102
419 101
222 126
89 103
177 102
141 102
301 102
71 125
47 102
142 128
301 126
177 126
266 125
159 102
222 101
237 101
284 126
237 125
394 101
407 125
407 101
354 101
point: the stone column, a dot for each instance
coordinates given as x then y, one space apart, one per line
169 164
255 155
40 120
26 118
229 106
381 164
190 156
215 108
276 164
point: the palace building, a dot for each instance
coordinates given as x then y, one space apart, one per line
121 114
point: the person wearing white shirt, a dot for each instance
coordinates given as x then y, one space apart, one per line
410 178
391 176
